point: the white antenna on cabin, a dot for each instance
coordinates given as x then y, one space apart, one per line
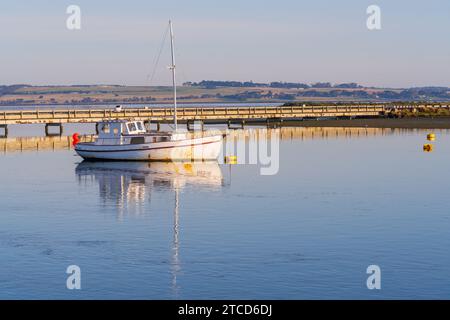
172 67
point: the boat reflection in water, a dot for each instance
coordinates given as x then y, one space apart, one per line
130 184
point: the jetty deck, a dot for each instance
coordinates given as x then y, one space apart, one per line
190 115
220 114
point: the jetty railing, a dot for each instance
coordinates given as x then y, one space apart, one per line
185 114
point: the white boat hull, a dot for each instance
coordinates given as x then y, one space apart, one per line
203 148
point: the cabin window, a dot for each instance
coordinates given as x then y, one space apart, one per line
131 127
137 140
140 126
160 139
116 131
105 128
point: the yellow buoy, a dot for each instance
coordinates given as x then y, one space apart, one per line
431 137
428 147
230 159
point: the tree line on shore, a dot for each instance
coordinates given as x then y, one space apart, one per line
212 84
413 94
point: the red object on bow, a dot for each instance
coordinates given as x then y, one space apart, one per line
75 139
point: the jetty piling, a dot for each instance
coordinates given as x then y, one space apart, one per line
57 125
192 125
148 125
3 134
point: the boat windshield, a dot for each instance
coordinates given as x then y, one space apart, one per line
131 127
139 125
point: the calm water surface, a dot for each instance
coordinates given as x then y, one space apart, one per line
162 231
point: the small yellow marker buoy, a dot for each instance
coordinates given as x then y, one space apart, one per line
427 147
231 159
431 137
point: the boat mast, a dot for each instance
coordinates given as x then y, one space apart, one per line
172 67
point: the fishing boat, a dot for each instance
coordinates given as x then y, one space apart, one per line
130 140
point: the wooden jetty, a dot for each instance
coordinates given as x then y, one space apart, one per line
190 115
222 114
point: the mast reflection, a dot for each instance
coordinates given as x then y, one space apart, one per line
128 185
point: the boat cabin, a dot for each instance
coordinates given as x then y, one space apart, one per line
114 129
130 132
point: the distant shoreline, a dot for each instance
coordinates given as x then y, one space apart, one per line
215 92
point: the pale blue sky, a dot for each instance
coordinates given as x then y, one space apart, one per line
284 40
